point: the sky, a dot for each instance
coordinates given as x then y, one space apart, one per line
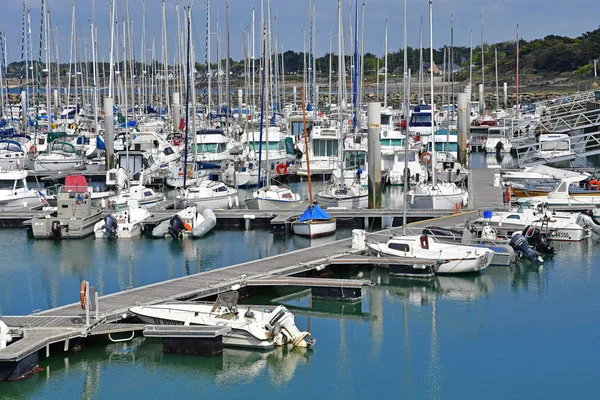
536 19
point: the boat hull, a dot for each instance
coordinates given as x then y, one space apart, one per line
42 228
343 202
314 228
272 204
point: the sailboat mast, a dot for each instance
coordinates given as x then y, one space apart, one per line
482 100
187 101
405 111
208 71
432 138
310 196
497 89
405 69
262 105
385 65
227 80
471 66
355 69
517 82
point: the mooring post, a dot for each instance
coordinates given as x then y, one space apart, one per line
109 136
463 121
374 155
481 100
505 87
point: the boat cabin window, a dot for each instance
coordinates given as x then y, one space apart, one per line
19 184
211 147
443 146
298 128
562 187
399 247
392 142
556 145
420 119
355 159
273 146
386 120
513 216
411 157
7 184
286 196
148 193
325 147
220 189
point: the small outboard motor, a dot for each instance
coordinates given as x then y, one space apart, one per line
538 241
176 226
110 225
56 229
520 244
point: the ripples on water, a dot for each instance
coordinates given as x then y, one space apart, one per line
518 332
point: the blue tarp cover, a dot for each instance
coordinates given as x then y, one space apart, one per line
314 213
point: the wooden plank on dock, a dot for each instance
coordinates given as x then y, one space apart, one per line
307 282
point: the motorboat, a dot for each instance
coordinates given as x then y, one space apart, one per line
273 197
212 194
14 193
191 222
559 226
554 145
497 141
416 171
561 198
456 258
314 222
74 218
126 222
342 195
100 198
257 327
145 196
60 156
439 196
450 171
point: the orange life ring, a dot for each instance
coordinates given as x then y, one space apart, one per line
82 294
281 169
426 158
507 194
594 184
33 149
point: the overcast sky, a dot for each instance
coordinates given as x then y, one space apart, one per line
537 18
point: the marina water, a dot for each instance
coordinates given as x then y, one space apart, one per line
518 332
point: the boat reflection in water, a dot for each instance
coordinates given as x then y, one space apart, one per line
419 291
499 160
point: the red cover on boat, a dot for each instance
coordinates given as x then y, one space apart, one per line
76 183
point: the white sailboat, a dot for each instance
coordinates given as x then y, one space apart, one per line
337 193
269 197
436 195
315 221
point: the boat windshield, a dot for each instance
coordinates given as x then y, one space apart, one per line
355 159
7 184
226 300
211 147
411 157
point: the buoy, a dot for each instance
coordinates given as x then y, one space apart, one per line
594 184
426 158
282 169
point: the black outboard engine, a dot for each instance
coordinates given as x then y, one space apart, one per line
175 226
520 244
538 241
56 229
110 225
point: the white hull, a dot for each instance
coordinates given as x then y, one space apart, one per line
314 228
57 164
437 201
343 202
272 204
249 328
216 202
15 202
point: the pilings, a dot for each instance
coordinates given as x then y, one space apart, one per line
374 156
194 340
505 88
